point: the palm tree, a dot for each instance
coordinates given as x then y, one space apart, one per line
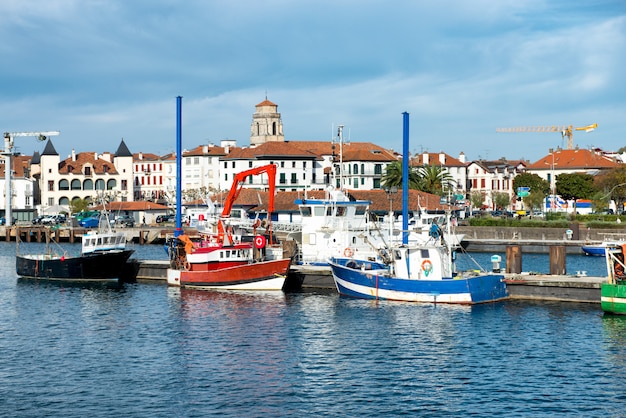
393 176
434 179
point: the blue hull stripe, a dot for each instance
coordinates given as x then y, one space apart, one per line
479 289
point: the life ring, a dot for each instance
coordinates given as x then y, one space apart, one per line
348 252
427 267
259 241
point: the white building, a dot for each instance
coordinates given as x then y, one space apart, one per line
86 175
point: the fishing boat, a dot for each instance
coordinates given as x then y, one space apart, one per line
416 272
598 250
334 225
226 261
613 291
103 256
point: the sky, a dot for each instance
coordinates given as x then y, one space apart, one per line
100 71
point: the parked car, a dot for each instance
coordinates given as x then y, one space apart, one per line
37 220
91 222
165 218
125 220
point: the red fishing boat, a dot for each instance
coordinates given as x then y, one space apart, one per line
227 261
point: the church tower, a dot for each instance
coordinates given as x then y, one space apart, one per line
266 124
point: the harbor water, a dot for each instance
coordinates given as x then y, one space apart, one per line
146 350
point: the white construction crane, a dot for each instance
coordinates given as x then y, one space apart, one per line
8 152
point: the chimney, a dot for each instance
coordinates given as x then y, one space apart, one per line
425 158
73 155
205 149
462 157
442 158
140 155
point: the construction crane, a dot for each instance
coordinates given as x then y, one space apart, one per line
8 152
566 131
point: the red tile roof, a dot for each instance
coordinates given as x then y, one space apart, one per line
68 165
574 159
20 164
356 151
266 103
434 158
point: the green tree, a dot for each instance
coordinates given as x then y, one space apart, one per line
393 176
501 200
434 179
536 183
79 205
477 199
612 186
575 186
534 200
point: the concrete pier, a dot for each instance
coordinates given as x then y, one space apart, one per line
560 288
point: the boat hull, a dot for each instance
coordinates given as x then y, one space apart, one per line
375 284
613 298
594 250
95 266
266 275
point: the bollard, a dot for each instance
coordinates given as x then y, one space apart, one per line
495 260
557 260
513 259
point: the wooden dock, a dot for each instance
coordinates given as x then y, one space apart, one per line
36 233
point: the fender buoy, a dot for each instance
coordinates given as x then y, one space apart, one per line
259 241
348 252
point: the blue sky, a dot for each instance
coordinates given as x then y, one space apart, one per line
103 70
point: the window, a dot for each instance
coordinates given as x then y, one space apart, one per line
51 187
124 184
88 184
294 178
376 183
283 179
293 164
99 184
249 164
75 184
64 185
88 171
362 168
282 164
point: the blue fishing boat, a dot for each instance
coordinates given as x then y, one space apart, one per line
415 272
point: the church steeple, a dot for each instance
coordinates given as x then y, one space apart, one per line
267 125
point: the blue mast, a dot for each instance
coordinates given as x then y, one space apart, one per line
405 178
179 170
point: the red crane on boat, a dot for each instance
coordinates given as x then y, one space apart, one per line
235 189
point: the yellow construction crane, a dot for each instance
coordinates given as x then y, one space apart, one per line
566 131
